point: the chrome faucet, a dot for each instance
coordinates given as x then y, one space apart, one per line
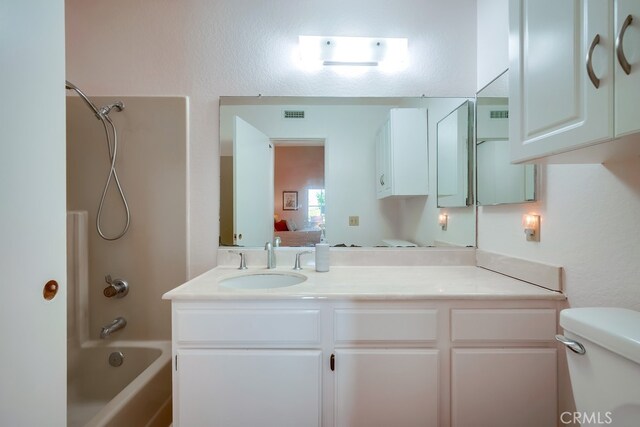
271 255
297 266
116 325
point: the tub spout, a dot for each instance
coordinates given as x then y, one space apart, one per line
116 325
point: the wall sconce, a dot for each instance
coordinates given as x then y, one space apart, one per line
531 224
354 51
443 220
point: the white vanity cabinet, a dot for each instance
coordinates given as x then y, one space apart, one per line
563 86
246 365
503 368
402 167
340 362
386 366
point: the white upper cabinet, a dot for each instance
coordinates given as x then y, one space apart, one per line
401 154
564 83
627 67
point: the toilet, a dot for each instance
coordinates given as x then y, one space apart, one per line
603 354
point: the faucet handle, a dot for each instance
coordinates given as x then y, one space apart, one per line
298 255
243 261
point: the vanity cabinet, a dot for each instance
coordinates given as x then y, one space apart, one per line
338 362
503 368
564 92
386 366
386 387
401 154
249 387
246 364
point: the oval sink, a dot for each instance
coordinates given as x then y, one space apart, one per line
263 280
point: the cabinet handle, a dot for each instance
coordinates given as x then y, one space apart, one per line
592 76
622 59
574 346
382 179
332 362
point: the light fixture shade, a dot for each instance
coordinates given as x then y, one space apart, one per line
354 51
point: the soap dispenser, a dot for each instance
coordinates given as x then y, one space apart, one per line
322 253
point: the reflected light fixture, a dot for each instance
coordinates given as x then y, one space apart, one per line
353 51
443 219
531 224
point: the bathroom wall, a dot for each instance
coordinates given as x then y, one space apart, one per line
205 49
152 170
589 213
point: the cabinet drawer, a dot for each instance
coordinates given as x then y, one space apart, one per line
503 325
385 325
253 326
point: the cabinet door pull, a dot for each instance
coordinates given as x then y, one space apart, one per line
622 59
332 362
382 179
592 76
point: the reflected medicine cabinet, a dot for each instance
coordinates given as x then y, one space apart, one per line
401 154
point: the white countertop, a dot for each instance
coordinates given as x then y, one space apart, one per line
369 283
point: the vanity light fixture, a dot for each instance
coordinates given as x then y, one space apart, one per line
443 220
531 224
353 51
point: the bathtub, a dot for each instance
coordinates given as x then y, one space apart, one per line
136 393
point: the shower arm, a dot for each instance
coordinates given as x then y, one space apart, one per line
71 86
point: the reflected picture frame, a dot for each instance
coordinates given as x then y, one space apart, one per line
289 200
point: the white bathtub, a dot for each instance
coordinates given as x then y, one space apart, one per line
137 393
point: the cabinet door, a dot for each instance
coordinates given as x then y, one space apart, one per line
386 388
627 91
409 157
248 388
504 387
383 161
555 106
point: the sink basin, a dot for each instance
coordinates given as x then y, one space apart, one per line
263 281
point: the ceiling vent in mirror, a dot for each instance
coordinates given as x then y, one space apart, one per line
293 114
499 114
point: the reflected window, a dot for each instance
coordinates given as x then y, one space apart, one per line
315 206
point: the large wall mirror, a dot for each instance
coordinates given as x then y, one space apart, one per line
499 181
297 167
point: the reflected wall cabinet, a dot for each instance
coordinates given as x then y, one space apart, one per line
569 86
401 154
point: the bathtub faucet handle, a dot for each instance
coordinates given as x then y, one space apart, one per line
117 288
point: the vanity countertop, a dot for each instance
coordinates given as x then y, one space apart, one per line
369 283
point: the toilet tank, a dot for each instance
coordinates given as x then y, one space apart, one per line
606 378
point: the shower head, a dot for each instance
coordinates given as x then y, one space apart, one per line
119 106
70 86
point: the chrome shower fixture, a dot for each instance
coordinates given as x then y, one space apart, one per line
102 114
119 106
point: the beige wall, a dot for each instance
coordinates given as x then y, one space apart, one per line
152 170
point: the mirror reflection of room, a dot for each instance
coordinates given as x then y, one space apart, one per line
298 192
498 181
344 203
